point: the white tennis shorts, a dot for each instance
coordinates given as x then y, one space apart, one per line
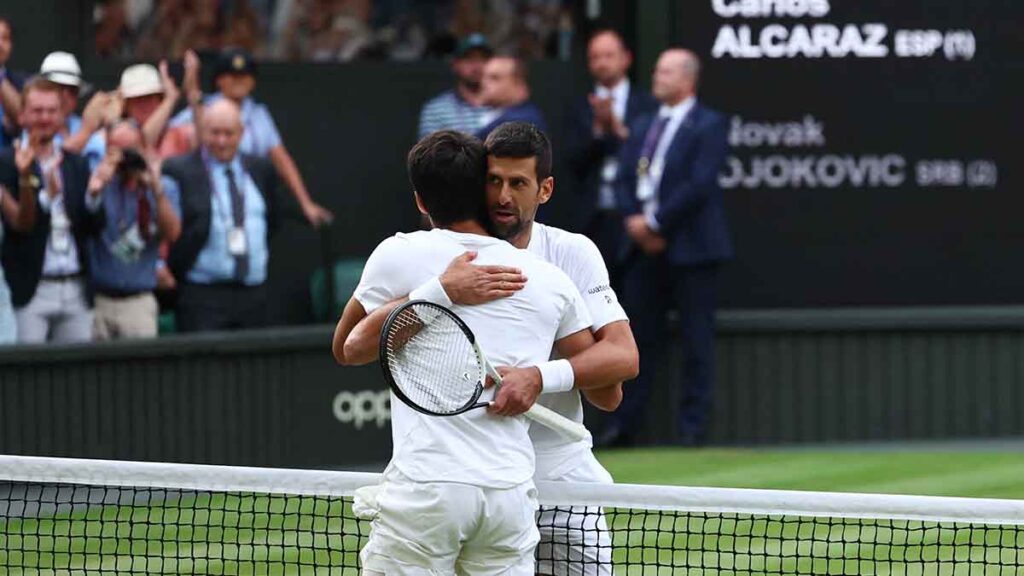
444 528
575 541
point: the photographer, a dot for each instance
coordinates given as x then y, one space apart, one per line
137 216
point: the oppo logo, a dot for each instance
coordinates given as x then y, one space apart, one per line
364 407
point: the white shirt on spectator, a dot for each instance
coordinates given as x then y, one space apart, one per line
61 255
620 97
474 448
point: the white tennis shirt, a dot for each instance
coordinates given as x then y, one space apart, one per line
579 258
474 448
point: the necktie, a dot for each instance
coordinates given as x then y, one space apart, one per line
143 214
238 217
652 138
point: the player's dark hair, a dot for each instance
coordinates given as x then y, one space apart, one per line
448 170
521 140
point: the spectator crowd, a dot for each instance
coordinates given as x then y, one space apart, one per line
105 211
329 30
156 191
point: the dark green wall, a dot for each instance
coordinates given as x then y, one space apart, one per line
276 398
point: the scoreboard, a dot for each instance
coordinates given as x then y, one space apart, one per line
875 148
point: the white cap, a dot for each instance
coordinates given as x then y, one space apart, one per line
140 80
61 68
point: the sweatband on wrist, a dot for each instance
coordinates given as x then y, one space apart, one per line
556 376
431 291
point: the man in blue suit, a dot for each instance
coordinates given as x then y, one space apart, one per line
597 126
676 238
505 90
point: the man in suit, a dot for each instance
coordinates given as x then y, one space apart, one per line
676 238
45 253
505 90
598 125
229 207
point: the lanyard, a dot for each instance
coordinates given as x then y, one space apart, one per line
125 198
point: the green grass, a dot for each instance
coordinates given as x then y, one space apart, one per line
711 545
969 474
276 536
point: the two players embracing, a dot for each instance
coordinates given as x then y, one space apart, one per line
458 495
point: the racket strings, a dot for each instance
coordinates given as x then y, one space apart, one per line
431 360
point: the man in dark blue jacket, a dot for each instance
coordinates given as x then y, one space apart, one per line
229 206
505 90
598 124
676 237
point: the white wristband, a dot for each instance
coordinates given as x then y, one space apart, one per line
556 376
432 291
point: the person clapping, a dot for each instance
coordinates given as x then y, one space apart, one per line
125 191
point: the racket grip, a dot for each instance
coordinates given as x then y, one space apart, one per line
557 422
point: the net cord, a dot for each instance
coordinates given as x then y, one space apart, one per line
42 470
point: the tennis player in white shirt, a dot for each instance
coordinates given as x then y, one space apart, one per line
458 495
518 181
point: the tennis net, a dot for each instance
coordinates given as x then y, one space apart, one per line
67 516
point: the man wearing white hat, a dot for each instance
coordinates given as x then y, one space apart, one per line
81 134
142 91
149 97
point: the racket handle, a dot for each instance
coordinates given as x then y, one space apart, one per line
557 422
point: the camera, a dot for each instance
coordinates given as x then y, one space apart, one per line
132 162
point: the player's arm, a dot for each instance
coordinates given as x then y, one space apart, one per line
353 313
601 369
613 359
461 283
360 343
598 370
522 386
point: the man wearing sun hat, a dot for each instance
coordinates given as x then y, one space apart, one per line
235 78
148 98
81 134
142 91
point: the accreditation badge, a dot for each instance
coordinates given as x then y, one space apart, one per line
237 245
644 189
643 167
129 246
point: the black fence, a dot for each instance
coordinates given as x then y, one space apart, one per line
276 398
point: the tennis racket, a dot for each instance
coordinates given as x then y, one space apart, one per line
432 362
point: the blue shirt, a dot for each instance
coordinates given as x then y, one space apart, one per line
111 269
448 111
525 112
260 135
95 148
215 263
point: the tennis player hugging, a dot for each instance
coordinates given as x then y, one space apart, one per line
499 290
